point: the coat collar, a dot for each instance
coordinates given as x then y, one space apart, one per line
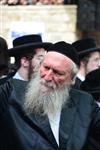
66 125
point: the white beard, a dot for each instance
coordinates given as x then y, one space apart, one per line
45 98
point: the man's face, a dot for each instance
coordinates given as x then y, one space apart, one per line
38 57
56 69
93 62
36 61
52 85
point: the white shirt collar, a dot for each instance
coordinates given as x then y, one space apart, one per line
82 78
98 103
17 76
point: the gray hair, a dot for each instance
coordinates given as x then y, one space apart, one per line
74 71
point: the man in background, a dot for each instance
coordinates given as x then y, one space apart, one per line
91 84
89 56
28 51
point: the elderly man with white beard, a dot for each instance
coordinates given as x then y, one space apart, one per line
53 116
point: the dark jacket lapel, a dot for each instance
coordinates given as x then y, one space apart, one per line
66 122
44 125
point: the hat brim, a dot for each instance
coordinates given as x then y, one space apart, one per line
86 52
27 48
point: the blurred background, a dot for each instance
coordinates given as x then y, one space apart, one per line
55 20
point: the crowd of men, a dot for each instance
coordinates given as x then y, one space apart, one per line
50 99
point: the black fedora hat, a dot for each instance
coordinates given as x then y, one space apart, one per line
85 46
27 43
91 83
65 49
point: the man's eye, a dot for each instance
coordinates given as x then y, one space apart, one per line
39 58
46 67
98 59
58 73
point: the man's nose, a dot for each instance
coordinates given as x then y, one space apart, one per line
48 75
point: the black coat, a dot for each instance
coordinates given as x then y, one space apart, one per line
3 80
77 83
19 131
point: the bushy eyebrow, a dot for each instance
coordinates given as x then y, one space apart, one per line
54 70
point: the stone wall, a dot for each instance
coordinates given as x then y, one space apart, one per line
55 23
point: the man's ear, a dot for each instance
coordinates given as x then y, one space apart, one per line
83 63
24 62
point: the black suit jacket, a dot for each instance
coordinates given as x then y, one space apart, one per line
28 132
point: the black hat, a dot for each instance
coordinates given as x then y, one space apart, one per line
91 83
65 49
3 44
26 44
4 58
85 46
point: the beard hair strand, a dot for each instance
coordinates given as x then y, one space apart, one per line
43 101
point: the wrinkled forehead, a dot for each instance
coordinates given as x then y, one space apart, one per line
39 50
95 53
56 60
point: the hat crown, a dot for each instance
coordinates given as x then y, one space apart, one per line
65 49
26 39
93 78
27 44
91 83
84 44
